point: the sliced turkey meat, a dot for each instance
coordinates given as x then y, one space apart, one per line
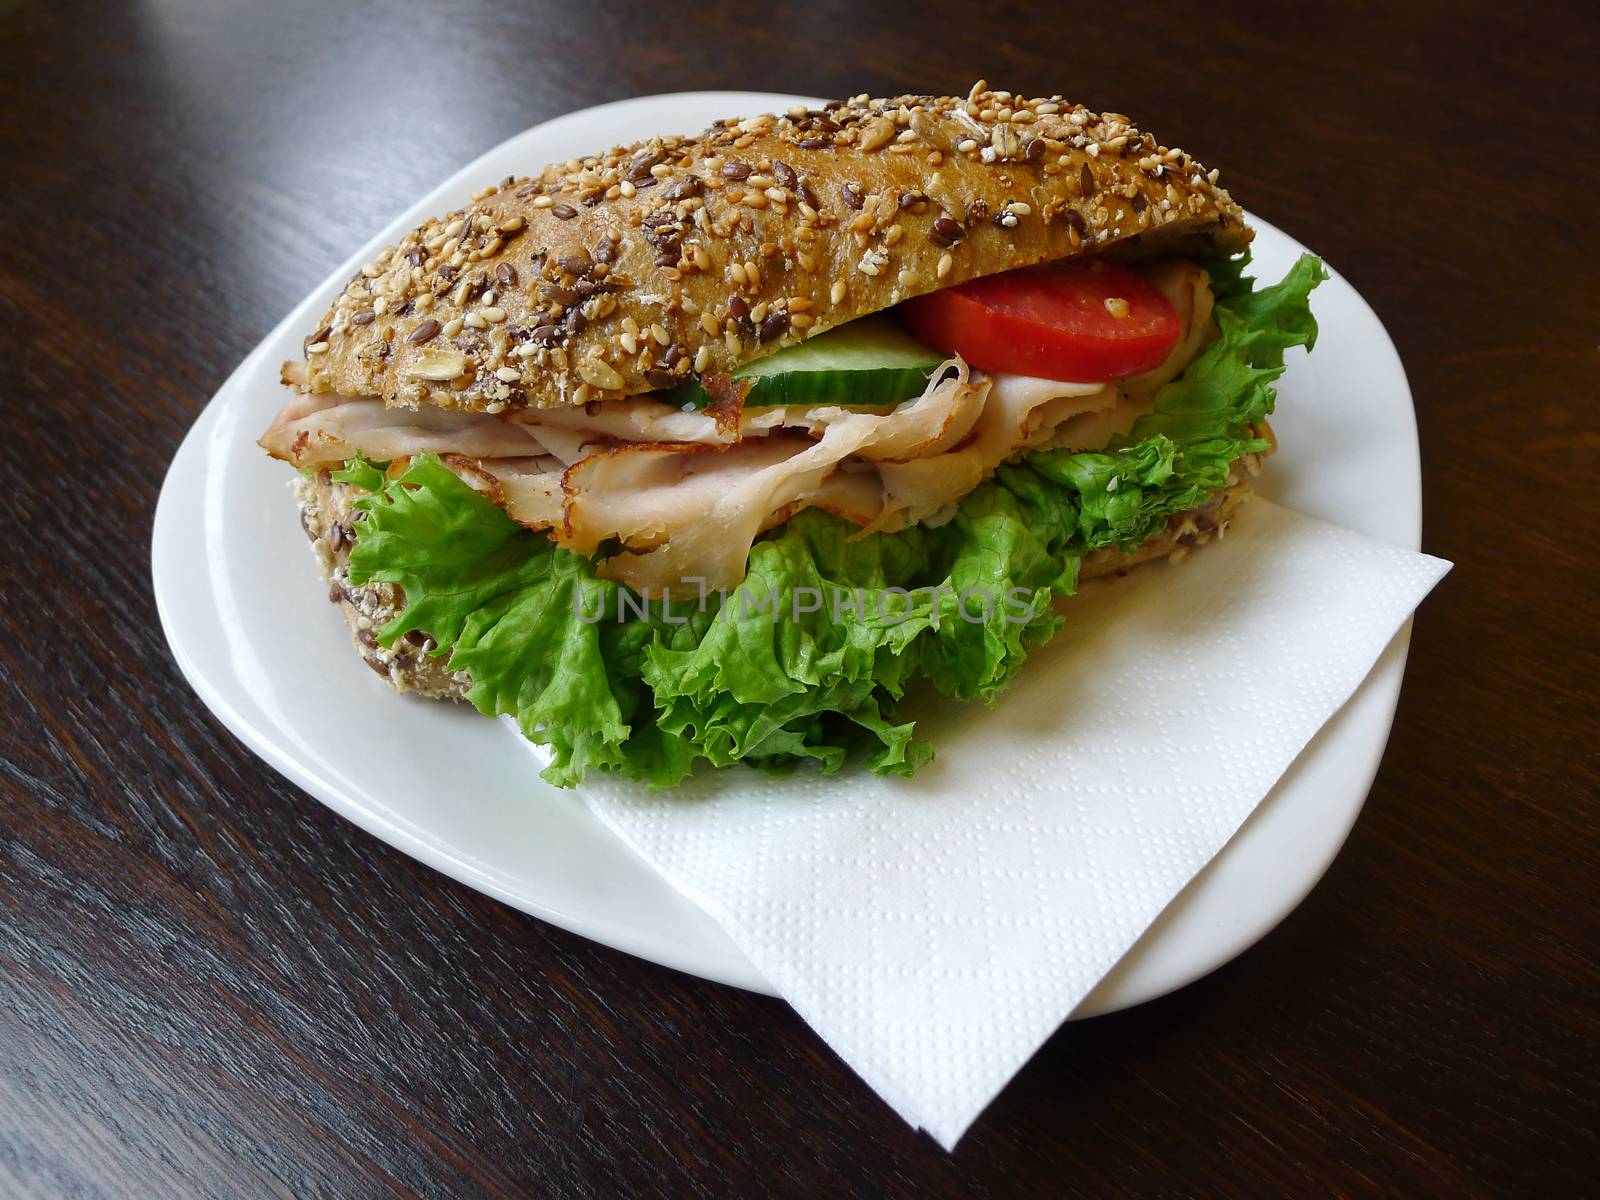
686 492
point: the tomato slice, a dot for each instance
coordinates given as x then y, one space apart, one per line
1083 322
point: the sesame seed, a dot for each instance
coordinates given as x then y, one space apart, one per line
476 320
658 334
542 201
837 292
508 374
630 343
945 263
452 327
702 358
317 348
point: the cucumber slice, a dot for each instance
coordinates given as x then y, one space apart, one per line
868 362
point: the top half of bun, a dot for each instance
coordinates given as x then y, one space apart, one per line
679 257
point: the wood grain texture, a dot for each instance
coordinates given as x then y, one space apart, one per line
211 986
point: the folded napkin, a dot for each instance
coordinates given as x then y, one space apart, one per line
936 931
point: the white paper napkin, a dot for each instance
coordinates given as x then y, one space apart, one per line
936 931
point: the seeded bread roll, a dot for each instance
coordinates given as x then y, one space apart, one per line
650 264
328 518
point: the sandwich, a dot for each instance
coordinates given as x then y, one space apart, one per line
722 448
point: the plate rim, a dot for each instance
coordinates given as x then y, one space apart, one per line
1382 684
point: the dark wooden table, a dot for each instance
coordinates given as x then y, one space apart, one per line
211 985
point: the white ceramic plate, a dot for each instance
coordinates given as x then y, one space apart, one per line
249 623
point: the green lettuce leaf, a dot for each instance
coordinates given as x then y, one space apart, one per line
1180 453
806 659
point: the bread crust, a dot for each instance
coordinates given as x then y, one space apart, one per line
650 264
328 518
